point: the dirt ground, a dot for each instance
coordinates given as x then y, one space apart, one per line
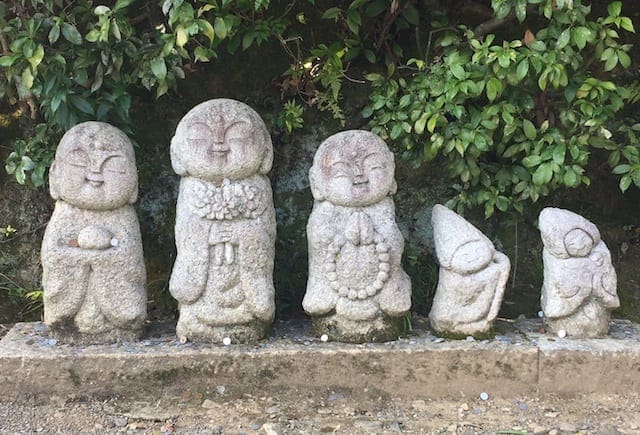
329 412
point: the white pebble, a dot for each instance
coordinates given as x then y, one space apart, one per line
226 341
541 314
562 333
324 337
114 242
183 339
484 396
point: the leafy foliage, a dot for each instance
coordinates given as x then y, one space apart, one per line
512 117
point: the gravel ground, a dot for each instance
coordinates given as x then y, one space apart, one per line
328 412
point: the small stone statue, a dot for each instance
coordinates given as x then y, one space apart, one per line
357 290
225 224
579 288
93 268
473 276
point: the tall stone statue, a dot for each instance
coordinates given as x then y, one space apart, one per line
579 287
357 290
473 276
93 268
225 224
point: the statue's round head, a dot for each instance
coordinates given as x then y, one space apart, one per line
94 168
220 139
353 168
566 234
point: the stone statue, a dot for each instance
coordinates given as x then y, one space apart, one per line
579 288
357 290
225 224
93 268
473 276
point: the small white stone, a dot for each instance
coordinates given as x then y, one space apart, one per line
541 314
114 242
484 396
226 341
183 339
562 333
324 338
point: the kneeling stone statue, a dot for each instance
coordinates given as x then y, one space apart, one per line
93 268
579 287
357 290
225 224
473 276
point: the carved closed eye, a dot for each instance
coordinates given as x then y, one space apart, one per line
340 170
78 158
375 161
238 130
199 133
116 164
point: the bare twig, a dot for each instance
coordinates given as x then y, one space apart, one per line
24 233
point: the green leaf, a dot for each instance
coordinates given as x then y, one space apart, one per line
529 129
421 123
571 178
181 36
531 161
54 33
614 9
101 10
582 35
625 182
220 28
376 7
27 78
458 71
121 4
331 13
37 57
627 24
93 35
431 124
71 34
624 59
494 88
6 61
563 39
353 20
611 62
159 68
521 11
542 175
81 104
522 70
621 169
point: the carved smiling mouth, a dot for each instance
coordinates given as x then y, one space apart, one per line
94 182
218 152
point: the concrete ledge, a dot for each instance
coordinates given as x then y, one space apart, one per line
520 360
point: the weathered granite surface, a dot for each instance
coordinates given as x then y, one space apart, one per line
93 267
472 279
225 224
579 288
357 290
520 359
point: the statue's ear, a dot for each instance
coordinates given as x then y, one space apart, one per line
316 190
53 181
176 160
267 160
394 187
134 195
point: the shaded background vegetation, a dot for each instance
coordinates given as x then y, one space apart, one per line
311 69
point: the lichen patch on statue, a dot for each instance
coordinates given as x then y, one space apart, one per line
225 224
93 267
579 287
357 290
472 278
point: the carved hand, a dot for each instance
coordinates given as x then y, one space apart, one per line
95 237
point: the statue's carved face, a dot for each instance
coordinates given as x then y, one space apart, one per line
578 243
93 171
221 140
356 173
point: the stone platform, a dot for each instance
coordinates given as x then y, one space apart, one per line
521 359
